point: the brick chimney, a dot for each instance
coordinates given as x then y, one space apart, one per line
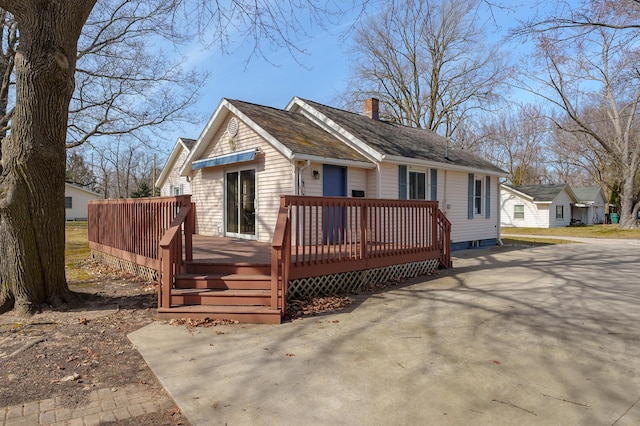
371 108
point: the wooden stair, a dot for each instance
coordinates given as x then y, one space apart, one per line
240 292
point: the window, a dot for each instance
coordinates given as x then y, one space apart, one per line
68 202
417 186
477 197
559 212
176 190
518 211
413 184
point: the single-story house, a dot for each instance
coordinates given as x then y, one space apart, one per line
248 155
170 182
536 206
76 200
589 209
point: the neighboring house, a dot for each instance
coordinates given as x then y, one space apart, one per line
536 206
590 205
76 200
170 182
248 155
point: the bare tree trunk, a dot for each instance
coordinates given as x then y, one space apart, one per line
33 155
628 209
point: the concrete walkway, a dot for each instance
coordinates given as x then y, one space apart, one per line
536 336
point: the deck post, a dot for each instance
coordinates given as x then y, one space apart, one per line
164 285
434 228
363 232
189 230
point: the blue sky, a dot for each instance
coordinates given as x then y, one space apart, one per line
319 75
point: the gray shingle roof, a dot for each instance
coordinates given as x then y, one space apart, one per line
541 193
297 133
588 194
397 140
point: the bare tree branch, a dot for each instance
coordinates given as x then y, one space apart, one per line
427 62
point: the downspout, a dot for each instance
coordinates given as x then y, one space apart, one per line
300 179
499 210
446 206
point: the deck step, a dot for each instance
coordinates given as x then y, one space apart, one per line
208 296
200 267
243 314
223 281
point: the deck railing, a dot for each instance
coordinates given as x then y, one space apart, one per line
171 253
280 260
337 234
131 229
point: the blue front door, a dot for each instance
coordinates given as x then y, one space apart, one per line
334 184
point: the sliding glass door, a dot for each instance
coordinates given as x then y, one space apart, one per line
240 203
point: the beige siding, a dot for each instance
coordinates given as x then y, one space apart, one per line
456 195
208 194
441 195
356 180
372 183
174 180
452 197
274 177
389 181
312 186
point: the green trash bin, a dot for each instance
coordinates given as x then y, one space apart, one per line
614 218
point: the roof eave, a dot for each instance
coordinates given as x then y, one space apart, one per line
334 128
79 188
396 159
333 161
207 133
214 124
519 193
175 154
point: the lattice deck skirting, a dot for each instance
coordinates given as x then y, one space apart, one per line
141 271
354 280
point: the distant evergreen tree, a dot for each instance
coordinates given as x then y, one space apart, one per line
143 191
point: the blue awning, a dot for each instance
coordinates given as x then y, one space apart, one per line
236 157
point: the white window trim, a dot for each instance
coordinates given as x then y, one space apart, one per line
239 235
480 179
515 212
427 174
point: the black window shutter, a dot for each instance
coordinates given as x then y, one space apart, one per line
487 199
434 184
402 182
470 196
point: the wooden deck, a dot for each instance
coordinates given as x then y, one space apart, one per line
230 250
317 242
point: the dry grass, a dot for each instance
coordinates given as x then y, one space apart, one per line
534 241
76 250
587 231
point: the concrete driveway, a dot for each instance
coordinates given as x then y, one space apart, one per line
531 336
